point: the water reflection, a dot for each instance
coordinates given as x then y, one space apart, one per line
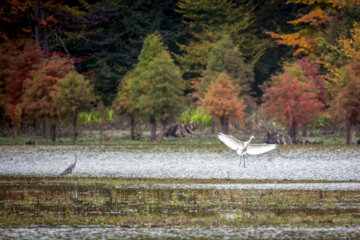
181 233
173 161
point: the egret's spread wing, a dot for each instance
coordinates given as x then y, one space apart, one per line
254 149
230 141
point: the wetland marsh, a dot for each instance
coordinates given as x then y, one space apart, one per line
325 162
179 192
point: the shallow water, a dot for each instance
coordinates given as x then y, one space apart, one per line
343 186
334 163
181 233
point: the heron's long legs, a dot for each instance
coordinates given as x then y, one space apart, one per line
242 158
76 191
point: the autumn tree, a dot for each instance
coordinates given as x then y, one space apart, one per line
291 102
346 105
226 57
73 95
222 101
318 31
37 101
308 71
19 66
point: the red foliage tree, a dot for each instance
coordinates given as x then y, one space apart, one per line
19 68
312 74
38 102
346 106
291 102
222 101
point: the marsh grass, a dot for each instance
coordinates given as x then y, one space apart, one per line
31 201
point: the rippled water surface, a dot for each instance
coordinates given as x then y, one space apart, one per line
181 233
173 161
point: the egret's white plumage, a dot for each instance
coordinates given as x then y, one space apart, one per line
244 148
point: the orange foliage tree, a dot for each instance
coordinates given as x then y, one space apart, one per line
222 101
346 106
291 102
37 101
311 35
19 66
320 31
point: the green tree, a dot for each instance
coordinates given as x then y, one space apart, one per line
108 38
157 84
73 95
208 22
163 90
125 105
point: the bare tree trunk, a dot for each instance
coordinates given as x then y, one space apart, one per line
41 34
213 126
162 131
36 128
43 132
101 132
350 133
152 129
224 125
37 18
293 132
75 129
15 130
132 128
53 132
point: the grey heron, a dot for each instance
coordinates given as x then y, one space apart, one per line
244 148
70 169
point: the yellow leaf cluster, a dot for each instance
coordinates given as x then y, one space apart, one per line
335 3
305 44
351 46
315 17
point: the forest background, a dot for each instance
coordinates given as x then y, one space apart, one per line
232 66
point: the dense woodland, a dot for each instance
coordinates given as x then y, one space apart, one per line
234 64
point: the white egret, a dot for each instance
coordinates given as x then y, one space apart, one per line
244 148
